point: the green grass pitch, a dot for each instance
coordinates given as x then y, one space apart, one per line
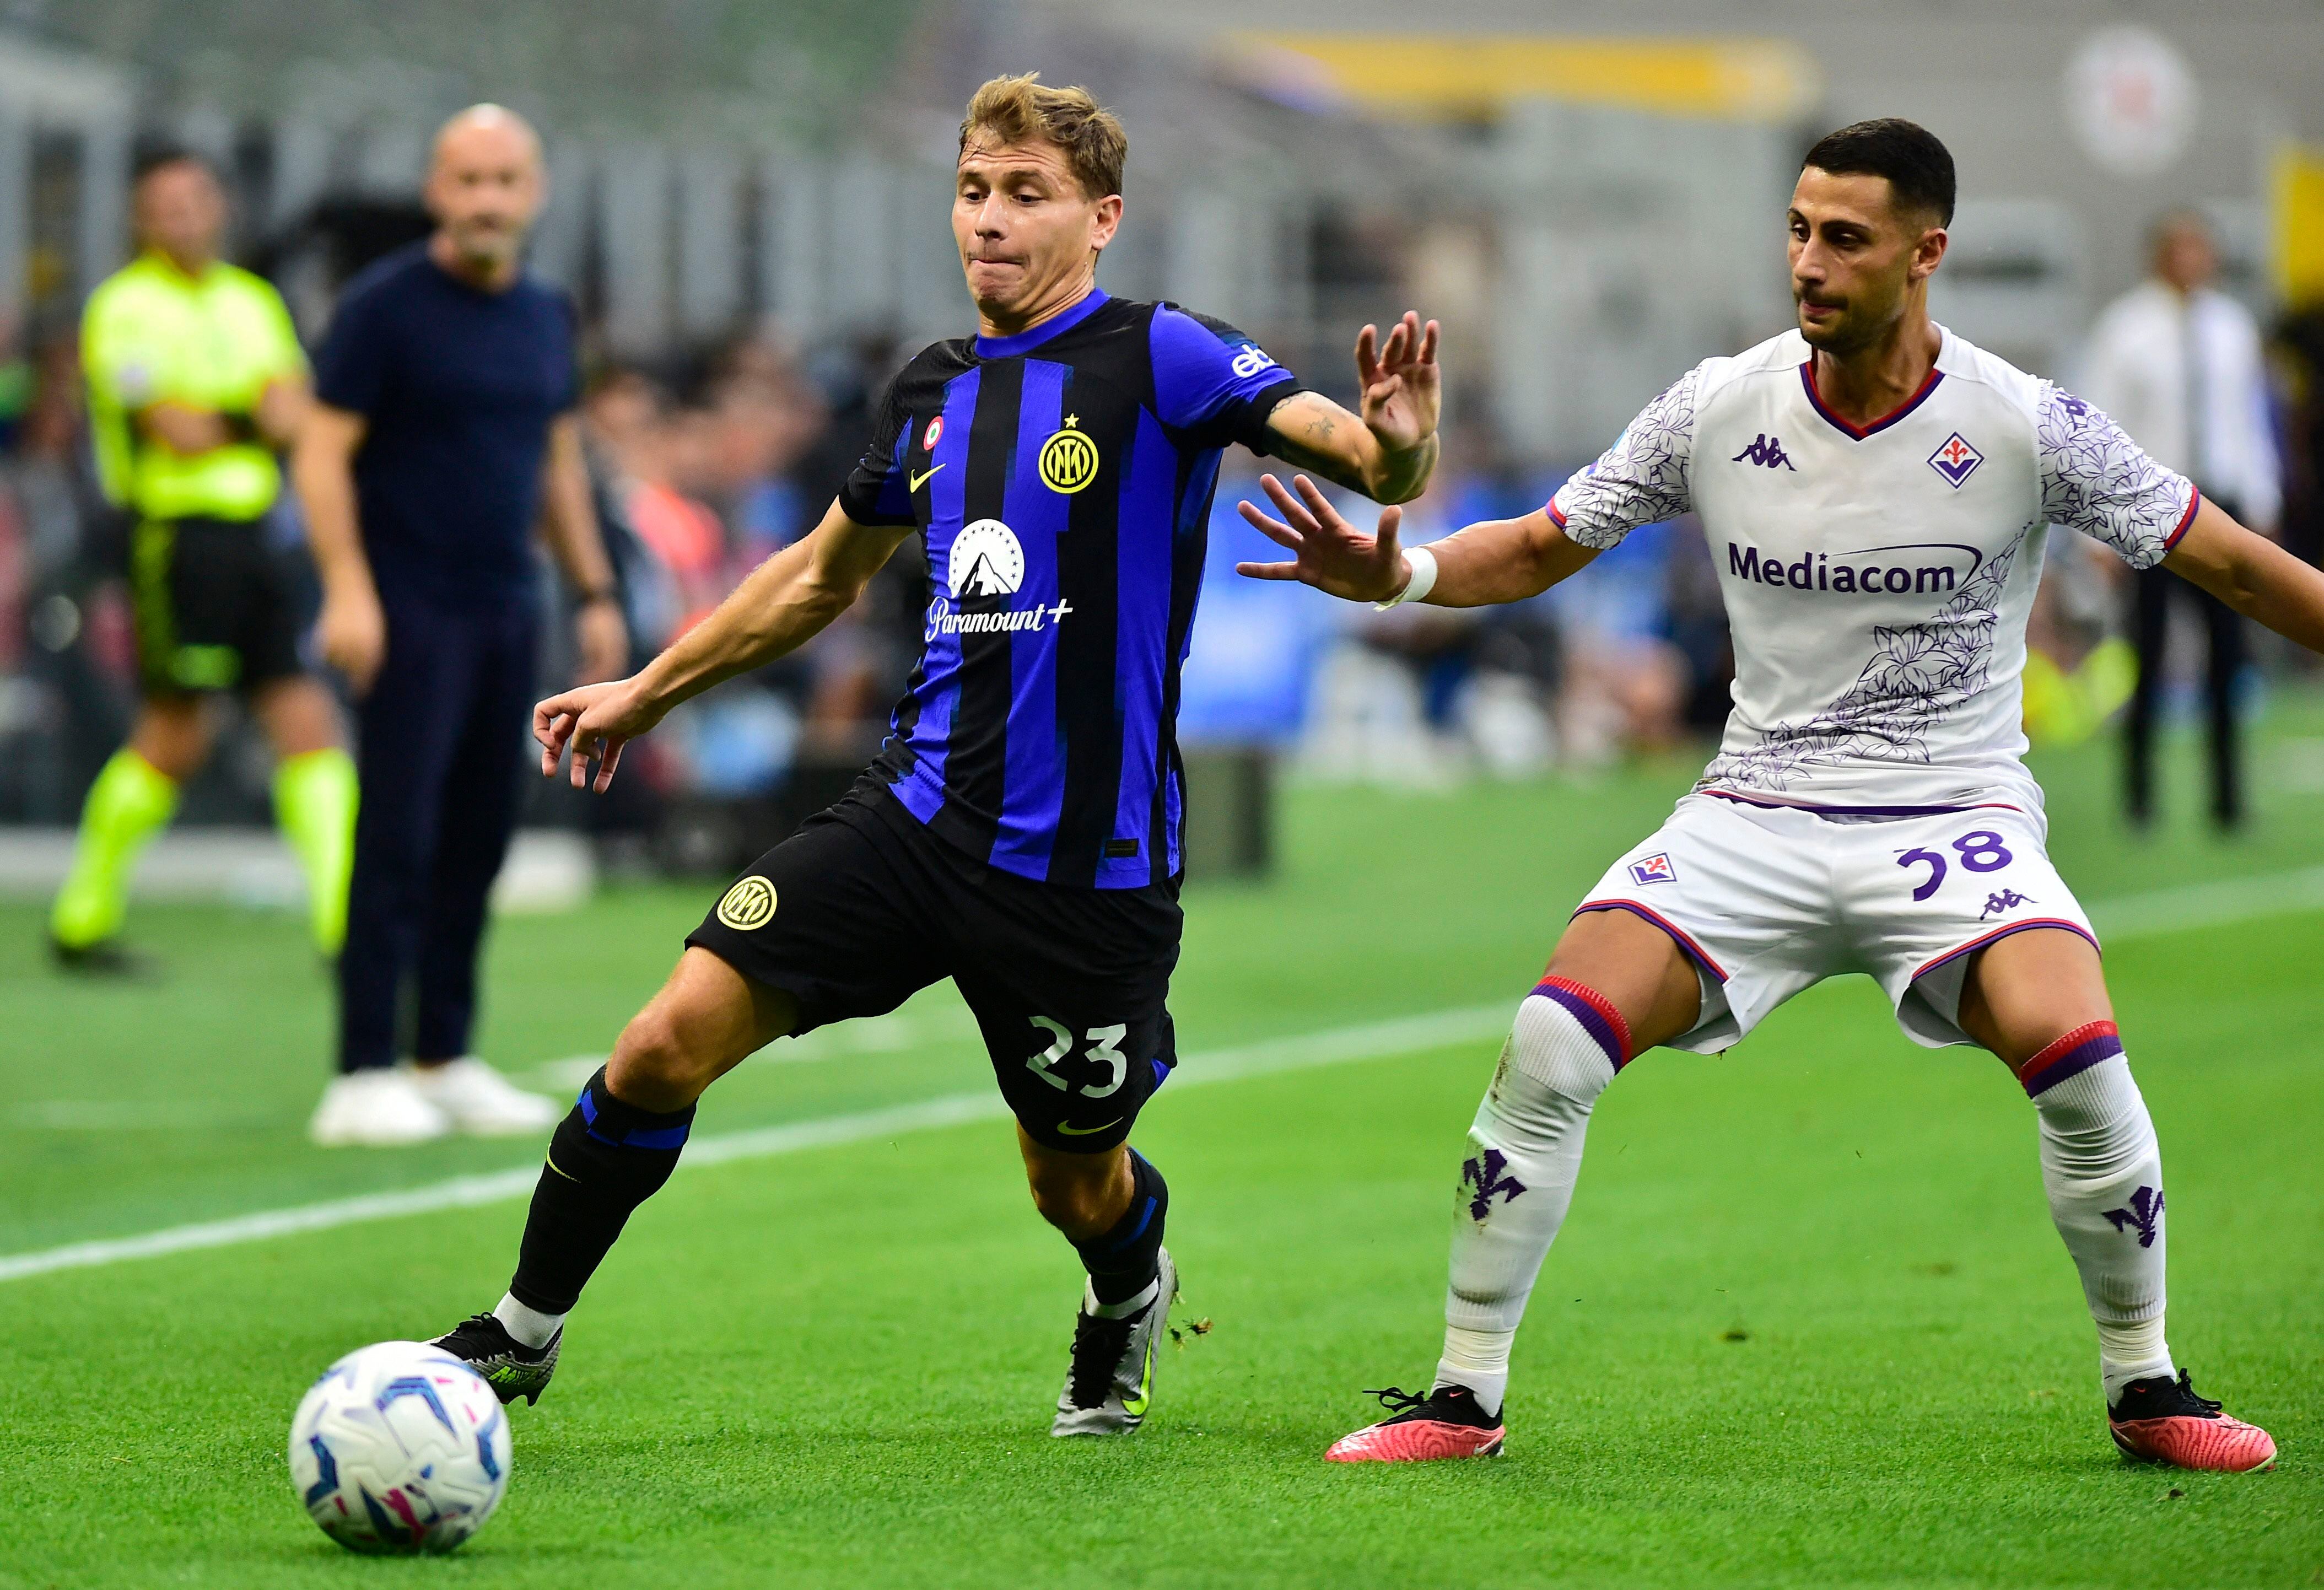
1808 1324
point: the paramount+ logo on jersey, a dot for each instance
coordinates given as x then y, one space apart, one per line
984 568
1909 569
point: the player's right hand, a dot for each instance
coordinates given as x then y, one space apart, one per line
595 721
352 635
1333 555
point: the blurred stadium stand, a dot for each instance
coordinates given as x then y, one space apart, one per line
747 204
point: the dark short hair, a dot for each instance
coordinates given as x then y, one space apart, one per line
155 155
1918 166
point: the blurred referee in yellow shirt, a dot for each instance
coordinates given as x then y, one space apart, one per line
195 377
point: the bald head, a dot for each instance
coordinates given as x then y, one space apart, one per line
484 187
489 129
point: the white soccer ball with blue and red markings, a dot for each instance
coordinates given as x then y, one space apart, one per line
400 1447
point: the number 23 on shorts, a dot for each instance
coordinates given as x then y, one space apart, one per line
1102 1042
1981 851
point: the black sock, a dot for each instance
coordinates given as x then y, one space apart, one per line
1125 1260
605 1160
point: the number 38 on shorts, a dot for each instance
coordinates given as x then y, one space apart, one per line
1767 899
1980 851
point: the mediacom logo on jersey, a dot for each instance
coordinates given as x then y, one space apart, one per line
1817 572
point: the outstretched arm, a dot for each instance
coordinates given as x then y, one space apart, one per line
1389 451
2251 574
1494 561
784 603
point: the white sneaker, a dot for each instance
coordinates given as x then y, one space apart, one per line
376 1107
480 1101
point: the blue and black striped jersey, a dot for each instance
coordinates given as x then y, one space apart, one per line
1061 480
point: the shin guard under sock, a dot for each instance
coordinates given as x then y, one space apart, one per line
1525 1153
605 1158
2103 1173
1124 1264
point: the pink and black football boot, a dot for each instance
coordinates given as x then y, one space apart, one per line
1445 1423
2161 1420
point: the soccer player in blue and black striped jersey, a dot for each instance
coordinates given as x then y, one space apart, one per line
1021 830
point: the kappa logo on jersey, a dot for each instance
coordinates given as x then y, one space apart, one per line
2006 900
1251 361
1485 1176
2145 1213
749 905
987 563
1767 450
1956 460
1654 869
1068 460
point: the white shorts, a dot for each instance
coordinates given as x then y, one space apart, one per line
1768 901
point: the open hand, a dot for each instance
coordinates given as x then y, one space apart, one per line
1332 555
596 721
1401 382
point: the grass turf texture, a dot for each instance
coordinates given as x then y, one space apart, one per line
1807 1324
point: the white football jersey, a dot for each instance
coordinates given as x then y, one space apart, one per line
1878 579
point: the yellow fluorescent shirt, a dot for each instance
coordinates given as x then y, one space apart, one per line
153 334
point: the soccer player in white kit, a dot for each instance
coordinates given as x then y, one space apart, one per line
1877 493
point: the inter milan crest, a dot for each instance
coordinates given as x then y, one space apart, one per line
749 905
1956 460
1068 458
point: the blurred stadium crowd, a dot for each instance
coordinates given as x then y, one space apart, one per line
712 458
711 448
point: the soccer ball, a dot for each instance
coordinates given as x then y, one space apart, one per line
400 1447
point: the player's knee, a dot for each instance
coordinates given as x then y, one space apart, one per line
653 1066
1570 1039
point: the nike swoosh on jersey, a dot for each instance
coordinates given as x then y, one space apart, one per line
1085 1130
920 480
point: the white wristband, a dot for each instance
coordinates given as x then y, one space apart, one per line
1422 564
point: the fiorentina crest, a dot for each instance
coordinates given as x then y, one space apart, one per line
1956 460
2145 1213
1485 1175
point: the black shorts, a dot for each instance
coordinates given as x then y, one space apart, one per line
215 606
863 906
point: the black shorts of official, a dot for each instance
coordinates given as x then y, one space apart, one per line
215 605
863 906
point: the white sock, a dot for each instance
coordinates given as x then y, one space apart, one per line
2103 1171
1525 1153
528 1326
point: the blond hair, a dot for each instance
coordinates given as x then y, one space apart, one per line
1016 110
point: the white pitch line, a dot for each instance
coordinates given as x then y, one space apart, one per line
2136 915
2209 905
1335 1046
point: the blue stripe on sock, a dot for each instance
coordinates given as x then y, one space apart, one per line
666 1137
1144 1220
